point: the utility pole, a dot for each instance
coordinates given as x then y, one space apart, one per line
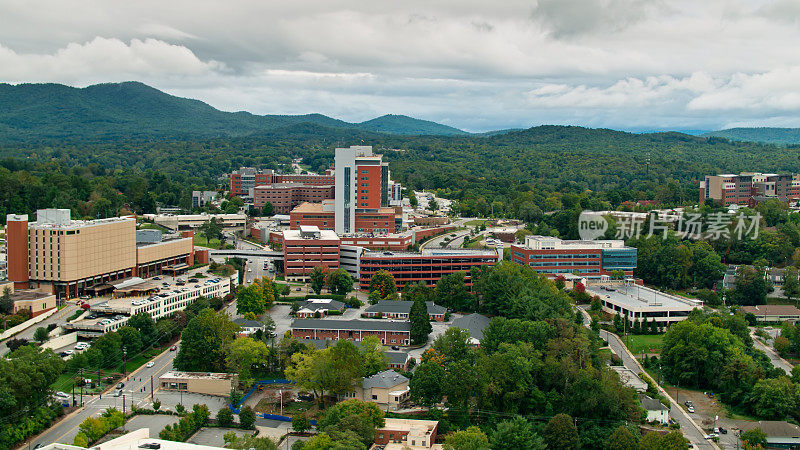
73 393
123 403
151 387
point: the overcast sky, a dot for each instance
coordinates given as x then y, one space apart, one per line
473 64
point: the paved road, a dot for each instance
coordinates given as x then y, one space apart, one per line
677 413
434 243
58 318
65 431
777 361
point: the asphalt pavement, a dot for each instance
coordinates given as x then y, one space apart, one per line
57 318
777 361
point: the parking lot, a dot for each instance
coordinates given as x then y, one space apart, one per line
709 413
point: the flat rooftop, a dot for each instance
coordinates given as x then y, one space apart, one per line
198 375
432 253
307 207
74 224
643 297
23 295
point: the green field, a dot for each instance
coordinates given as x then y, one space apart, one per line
472 223
200 241
649 343
64 382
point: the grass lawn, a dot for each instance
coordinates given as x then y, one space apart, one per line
65 380
780 301
649 343
472 223
200 241
151 226
290 407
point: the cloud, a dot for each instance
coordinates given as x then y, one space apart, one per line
566 18
108 59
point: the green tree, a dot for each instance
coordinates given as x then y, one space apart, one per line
251 442
750 287
373 356
561 432
353 416
247 418
451 292
203 342
791 284
6 303
621 439
244 353
516 433
250 299
301 423
317 276
755 436
420 323
426 385
339 282
650 441
471 438
267 209
773 398
383 282
225 417
144 323
130 339
41 335
210 230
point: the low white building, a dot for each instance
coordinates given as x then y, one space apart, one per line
656 411
642 304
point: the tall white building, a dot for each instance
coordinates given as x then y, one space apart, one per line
362 183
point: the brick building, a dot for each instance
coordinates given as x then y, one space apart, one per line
307 248
552 256
389 333
732 189
285 196
427 266
246 179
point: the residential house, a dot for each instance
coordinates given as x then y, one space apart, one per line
401 309
475 324
389 333
319 307
248 327
773 313
656 411
398 360
779 434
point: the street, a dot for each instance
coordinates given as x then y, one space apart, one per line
777 361
57 318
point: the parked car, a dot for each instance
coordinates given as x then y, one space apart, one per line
151 445
68 352
690 409
84 297
156 278
61 394
688 403
118 393
120 385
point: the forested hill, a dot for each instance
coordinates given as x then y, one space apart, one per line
778 136
42 111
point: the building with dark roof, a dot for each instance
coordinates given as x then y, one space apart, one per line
475 324
656 411
398 360
248 326
401 309
773 313
389 333
318 307
385 388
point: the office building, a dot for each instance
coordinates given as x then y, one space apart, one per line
552 256
246 179
307 248
381 221
65 257
362 185
427 266
200 198
177 222
749 187
285 196
412 434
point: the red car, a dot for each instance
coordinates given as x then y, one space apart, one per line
173 348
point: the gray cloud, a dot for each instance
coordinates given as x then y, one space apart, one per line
468 63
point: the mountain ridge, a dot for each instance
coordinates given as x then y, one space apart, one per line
131 108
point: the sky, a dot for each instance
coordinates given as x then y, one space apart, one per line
477 65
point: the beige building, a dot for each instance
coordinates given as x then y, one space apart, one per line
199 382
384 388
65 257
35 302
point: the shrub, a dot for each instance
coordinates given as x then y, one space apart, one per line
225 417
247 418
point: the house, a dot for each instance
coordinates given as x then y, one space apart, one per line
779 434
207 383
656 411
248 327
384 388
398 360
773 313
389 333
475 324
399 434
400 309
319 307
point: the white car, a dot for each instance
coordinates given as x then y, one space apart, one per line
150 364
60 394
69 352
